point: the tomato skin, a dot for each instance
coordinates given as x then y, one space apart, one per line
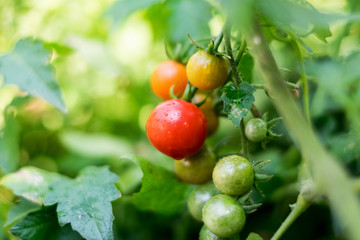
233 175
165 76
256 130
209 112
176 128
206 71
198 168
206 234
223 216
198 197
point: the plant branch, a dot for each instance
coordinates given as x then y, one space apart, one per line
255 112
298 208
329 176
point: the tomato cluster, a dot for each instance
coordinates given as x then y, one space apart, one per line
179 127
215 203
176 127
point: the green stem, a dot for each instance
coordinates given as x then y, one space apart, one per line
233 66
328 174
262 86
241 52
193 42
218 40
255 112
300 206
303 79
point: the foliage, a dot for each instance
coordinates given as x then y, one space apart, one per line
75 97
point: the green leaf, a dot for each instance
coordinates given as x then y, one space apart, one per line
85 202
246 66
237 101
27 66
122 9
59 48
36 226
21 210
30 183
43 225
254 236
339 78
161 192
300 17
95 145
185 17
239 12
4 206
345 147
9 146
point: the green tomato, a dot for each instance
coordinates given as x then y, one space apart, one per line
205 234
196 169
198 197
233 175
223 216
256 130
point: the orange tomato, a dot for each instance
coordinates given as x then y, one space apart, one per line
166 75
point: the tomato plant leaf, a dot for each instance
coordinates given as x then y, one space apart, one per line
246 66
37 225
43 225
27 66
345 147
254 236
85 202
300 17
9 146
4 206
30 183
240 12
20 210
346 92
161 191
237 101
120 10
185 18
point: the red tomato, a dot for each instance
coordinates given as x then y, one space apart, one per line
176 128
166 75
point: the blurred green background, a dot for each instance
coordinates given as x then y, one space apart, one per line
103 68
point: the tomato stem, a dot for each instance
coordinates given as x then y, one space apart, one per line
231 60
218 40
299 207
211 48
193 42
241 52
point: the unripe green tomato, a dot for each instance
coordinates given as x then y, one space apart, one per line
256 130
223 215
198 197
196 169
205 234
233 175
